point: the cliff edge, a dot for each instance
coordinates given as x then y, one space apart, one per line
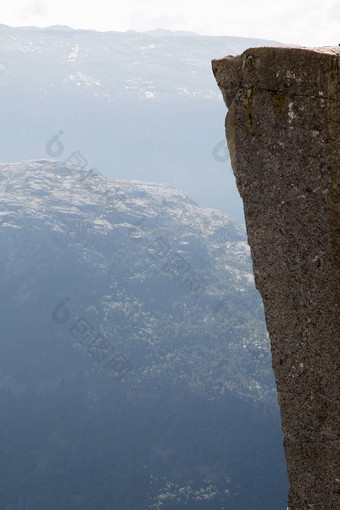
283 132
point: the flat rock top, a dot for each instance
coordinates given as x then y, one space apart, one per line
327 50
287 71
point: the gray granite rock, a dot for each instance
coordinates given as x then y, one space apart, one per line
283 132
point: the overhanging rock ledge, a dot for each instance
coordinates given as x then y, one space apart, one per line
283 132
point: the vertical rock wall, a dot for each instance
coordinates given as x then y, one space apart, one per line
283 132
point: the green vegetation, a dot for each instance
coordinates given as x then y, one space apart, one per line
194 424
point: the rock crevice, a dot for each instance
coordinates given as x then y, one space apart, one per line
283 132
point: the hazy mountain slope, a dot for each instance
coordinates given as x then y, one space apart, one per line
145 240
135 364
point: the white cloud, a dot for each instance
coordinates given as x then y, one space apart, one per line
306 22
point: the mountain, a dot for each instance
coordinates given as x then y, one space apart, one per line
153 66
136 105
135 369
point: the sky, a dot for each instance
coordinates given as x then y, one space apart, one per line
302 22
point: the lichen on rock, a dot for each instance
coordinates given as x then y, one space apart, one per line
283 132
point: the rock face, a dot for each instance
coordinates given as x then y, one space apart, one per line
283 131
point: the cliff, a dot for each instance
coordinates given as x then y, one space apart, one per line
283 132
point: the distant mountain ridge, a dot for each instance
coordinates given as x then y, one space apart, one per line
137 105
155 65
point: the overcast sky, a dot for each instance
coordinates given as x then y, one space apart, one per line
305 22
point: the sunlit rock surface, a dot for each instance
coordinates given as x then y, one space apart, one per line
283 131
